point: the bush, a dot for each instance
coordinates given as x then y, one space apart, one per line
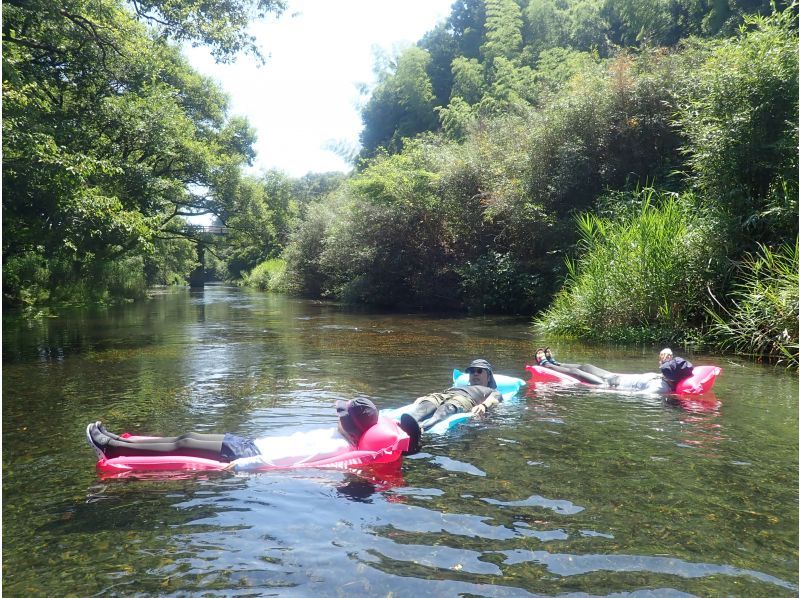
25 280
495 283
267 276
387 243
763 321
304 275
642 275
171 262
389 255
30 280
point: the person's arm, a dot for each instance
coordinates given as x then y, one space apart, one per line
247 463
493 399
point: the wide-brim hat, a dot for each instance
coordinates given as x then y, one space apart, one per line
482 363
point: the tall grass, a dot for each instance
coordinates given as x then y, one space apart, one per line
641 277
763 320
267 275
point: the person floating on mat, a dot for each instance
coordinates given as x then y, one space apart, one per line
480 396
355 418
585 372
673 369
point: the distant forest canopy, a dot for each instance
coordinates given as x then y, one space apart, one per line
621 170
490 56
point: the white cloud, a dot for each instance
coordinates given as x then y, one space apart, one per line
306 95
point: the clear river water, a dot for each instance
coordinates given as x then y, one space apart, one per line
560 492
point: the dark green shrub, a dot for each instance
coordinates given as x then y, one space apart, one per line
25 279
495 283
304 275
266 276
388 245
171 262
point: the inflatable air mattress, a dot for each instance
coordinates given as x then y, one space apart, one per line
506 385
701 380
382 443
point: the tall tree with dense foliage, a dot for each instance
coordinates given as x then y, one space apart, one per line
519 35
108 135
739 116
403 100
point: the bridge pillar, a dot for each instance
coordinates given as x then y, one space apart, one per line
197 278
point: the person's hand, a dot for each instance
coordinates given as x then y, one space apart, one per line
479 409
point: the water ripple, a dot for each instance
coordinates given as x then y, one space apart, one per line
562 507
575 564
422 520
449 464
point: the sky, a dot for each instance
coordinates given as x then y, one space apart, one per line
306 95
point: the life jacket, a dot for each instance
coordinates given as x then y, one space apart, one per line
676 369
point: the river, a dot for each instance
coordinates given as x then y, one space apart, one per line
562 491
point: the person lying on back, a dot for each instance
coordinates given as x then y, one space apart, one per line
480 396
673 370
586 372
355 417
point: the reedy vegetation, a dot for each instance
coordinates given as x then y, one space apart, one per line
641 277
762 320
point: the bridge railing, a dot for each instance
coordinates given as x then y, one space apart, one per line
199 228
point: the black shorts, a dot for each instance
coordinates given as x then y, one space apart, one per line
237 447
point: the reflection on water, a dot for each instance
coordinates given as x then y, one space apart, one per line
560 491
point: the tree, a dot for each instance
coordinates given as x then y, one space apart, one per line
222 26
468 80
442 47
544 27
401 104
467 20
503 37
587 26
739 116
108 135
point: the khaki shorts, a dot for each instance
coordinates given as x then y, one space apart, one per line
463 402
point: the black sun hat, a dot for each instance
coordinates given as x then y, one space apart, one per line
356 416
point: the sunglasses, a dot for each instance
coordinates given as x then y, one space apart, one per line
476 370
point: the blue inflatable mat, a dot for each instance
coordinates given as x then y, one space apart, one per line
507 385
